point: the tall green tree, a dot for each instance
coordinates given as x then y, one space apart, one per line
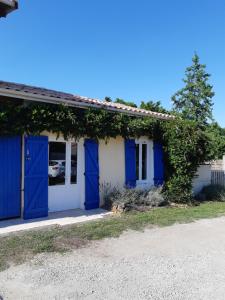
128 103
216 138
194 100
153 106
108 99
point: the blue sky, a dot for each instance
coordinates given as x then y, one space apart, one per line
131 49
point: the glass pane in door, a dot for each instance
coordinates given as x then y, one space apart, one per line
144 161
73 172
57 163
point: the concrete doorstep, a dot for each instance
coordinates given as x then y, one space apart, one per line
58 218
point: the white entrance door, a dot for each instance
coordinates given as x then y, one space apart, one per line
66 167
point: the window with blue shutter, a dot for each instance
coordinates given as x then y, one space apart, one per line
10 177
130 163
92 197
158 164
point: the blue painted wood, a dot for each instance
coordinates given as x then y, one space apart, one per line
36 177
10 177
92 198
158 164
130 163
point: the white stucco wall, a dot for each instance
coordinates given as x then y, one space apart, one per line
111 163
203 178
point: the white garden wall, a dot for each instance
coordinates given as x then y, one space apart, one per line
203 178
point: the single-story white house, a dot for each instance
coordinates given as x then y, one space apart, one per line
46 173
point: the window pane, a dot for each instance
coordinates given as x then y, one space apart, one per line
57 163
137 161
144 161
73 175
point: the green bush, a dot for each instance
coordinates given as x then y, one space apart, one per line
132 199
186 147
212 192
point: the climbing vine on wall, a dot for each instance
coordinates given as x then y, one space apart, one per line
34 118
186 146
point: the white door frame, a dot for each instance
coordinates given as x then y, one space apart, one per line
68 196
150 162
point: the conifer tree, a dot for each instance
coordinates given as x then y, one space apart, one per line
194 101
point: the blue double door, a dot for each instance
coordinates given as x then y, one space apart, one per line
35 202
92 198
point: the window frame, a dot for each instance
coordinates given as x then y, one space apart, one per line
67 161
63 142
149 161
70 161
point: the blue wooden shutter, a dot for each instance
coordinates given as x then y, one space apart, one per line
130 163
10 177
158 164
36 177
92 198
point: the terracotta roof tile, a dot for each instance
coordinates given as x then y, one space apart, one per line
31 90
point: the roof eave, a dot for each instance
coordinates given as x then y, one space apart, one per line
78 104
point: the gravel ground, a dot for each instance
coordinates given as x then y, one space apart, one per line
178 262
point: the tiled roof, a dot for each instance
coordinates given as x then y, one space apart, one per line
20 90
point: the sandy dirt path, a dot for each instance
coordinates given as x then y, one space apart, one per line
178 262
